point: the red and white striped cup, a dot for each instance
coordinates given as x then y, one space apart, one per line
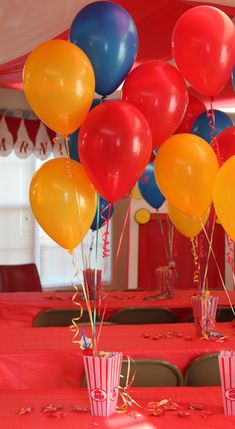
103 379
227 376
204 311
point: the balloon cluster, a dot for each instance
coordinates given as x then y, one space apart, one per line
111 142
186 167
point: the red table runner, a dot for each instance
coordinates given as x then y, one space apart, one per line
20 308
46 357
134 418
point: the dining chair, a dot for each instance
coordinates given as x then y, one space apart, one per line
143 315
60 317
19 278
203 371
224 314
149 373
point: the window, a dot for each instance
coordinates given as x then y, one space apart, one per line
23 241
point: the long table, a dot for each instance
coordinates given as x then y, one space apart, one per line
20 308
12 402
46 357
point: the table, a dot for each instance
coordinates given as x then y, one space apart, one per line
46 357
20 308
134 418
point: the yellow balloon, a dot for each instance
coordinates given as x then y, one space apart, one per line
59 84
63 201
185 168
187 225
224 196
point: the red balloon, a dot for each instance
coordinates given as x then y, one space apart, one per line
224 144
115 144
203 47
195 107
159 92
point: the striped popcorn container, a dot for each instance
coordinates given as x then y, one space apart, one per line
103 379
227 376
204 311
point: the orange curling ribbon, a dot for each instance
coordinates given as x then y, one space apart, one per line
74 327
230 255
196 273
105 237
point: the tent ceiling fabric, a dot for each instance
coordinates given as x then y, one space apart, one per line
26 24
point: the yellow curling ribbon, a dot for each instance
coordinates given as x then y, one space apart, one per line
127 400
74 327
196 273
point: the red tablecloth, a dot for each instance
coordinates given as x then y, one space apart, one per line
11 401
20 308
46 357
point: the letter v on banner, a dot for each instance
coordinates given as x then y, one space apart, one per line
6 140
23 147
42 143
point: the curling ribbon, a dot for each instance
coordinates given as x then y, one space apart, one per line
65 144
122 233
204 284
105 237
163 235
74 327
196 273
127 399
211 116
230 255
218 268
170 228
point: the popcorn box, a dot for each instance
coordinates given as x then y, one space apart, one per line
204 311
227 376
103 378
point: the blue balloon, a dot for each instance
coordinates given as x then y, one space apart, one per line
107 34
103 212
202 128
149 189
73 138
233 78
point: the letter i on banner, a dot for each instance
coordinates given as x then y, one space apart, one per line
23 147
6 140
42 143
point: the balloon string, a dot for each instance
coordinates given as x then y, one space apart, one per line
204 283
218 268
158 217
213 136
127 399
101 324
65 144
211 117
197 271
170 227
122 233
96 278
230 255
74 327
105 237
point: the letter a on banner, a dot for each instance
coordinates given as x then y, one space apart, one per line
23 147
